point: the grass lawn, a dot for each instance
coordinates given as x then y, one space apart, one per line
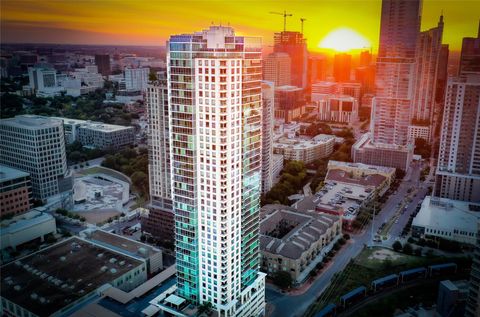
369 265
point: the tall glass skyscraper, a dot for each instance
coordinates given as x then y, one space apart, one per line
215 117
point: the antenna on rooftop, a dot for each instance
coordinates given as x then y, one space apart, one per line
301 21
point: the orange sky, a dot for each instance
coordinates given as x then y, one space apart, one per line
141 22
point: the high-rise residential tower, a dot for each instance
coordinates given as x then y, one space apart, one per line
215 132
394 84
295 45
458 170
36 145
277 68
427 65
160 220
268 105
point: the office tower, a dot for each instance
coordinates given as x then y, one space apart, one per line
42 78
442 76
289 103
470 55
160 219
214 98
103 63
15 191
317 69
295 46
268 104
365 75
136 78
473 301
276 69
388 142
427 58
365 58
342 66
36 145
458 170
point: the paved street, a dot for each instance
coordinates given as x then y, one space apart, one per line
291 306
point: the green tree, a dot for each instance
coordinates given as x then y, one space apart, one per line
282 279
407 248
397 246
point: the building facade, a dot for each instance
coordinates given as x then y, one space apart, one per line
342 67
268 104
160 220
429 47
310 237
26 137
136 78
103 63
295 45
473 301
277 68
394 83
15 191
458 170
289 103
97 134
339 109
214 97
305 150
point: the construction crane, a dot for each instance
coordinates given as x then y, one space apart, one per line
301 21
285 15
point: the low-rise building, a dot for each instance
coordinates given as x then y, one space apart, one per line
293 241
447 219
379 178
304 149
57 280
97 134
26 227
153 256
343 199
15 191
391 155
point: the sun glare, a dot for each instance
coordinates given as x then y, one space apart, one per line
343 40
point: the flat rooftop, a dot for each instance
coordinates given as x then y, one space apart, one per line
31 122
341 176
133 248
24 221
51 279
93 125
8 173
343 198
366 143
302 142
448 214
362 167
305 229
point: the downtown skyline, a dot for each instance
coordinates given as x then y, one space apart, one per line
116 23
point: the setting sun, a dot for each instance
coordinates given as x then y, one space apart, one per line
344 39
